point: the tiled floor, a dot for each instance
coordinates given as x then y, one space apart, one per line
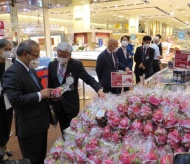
54 133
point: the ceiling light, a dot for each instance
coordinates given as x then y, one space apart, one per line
171 13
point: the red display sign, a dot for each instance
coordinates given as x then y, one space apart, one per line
182 59
122 79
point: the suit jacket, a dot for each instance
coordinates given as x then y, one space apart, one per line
123 62
70 101
31 116
104 67
149 57
160 48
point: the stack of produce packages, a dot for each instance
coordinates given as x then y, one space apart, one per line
145 126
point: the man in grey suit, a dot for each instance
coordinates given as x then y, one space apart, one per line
59 72
28 98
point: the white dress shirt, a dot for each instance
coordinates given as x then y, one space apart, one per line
156 52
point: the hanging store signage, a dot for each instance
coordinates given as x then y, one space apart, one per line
182 59
2 32
122 79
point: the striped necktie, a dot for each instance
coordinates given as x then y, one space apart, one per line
34 78
60 73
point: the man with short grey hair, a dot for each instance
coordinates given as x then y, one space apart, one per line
157 55
58 73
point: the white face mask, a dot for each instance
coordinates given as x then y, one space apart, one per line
124 43
6 54
147 45
34 63
115 50
62 60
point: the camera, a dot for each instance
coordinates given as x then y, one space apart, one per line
19 161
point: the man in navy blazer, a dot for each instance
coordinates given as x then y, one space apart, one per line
106 63
144 57
68 107
28 98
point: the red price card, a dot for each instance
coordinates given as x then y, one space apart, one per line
182 59
122 79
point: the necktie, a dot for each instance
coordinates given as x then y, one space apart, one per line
113 59
144 54
60 73
125 53
34 78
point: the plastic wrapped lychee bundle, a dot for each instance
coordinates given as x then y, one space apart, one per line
142 126
59 91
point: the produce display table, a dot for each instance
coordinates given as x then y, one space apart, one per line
145 125
165 78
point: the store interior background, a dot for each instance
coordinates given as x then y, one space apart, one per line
88 24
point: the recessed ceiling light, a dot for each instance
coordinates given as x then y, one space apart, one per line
171 13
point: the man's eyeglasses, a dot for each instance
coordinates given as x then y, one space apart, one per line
35 55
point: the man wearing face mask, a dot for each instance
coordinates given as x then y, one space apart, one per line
144 57
107 62
29 100
6 115
58 73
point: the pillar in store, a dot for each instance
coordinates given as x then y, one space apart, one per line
14 23
147 27
133 24
47 31
81 15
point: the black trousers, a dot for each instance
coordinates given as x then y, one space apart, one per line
65 119
156 66
6 117
34 148
112 90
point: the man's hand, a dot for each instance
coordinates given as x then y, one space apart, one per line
101 93
127 69
141 65
46 93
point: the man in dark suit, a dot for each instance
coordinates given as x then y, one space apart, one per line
124 56
160 48
106 63
28 98
58 73
144 57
